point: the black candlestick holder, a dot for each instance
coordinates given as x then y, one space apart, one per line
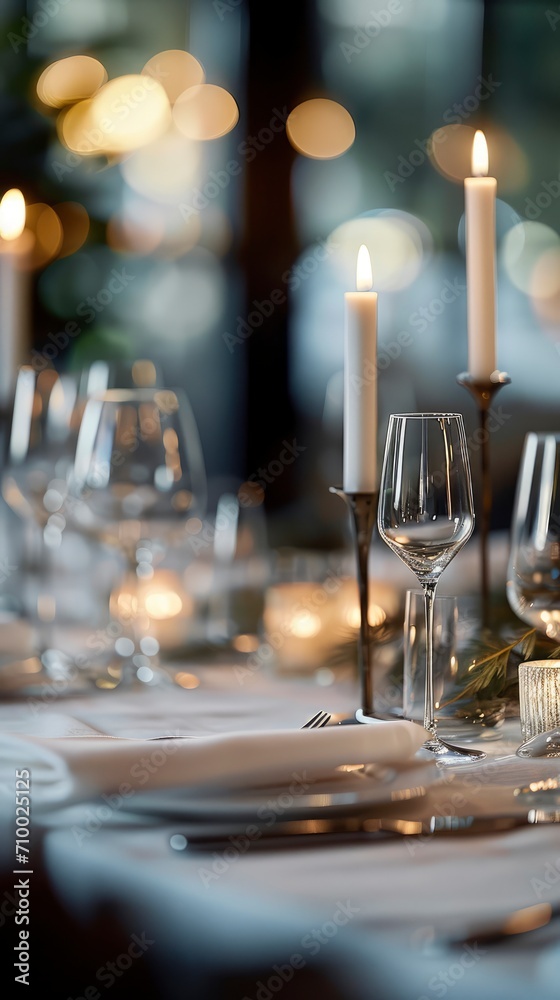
363 511
483 392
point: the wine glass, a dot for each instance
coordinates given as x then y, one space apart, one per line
533 574
425 515
39 451
138 483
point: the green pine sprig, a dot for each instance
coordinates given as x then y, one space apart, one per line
490 670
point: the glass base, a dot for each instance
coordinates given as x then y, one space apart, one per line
475 721
468 732
449 753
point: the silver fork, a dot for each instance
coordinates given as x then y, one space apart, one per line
317 721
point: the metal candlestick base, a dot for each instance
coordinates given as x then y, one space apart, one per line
483 392
363 509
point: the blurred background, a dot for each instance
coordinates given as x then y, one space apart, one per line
199 175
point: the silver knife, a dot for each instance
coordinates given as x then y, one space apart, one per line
343 828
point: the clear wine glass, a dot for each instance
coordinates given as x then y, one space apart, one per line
533 575
425 515
139 485
40 446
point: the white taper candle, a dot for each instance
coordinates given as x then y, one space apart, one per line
480 231
360 382
13 292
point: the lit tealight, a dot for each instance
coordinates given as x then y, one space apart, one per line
187 681
245 643
304 624
376 616
163 604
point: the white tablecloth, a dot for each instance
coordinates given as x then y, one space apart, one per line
365 918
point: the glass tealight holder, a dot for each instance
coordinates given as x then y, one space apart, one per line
539 696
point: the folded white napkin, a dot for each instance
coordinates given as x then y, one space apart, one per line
82 767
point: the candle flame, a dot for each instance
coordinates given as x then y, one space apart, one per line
479 155
12 214
364 279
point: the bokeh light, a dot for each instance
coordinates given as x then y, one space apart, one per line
46 227
522 247
508 162
68 80
176 70
129 235
320 128
165 170
75 226
450 150
205 112
76 131
398 245
125 114
545 286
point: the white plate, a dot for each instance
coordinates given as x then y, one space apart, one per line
348 792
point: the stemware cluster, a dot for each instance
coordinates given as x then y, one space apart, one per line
121 464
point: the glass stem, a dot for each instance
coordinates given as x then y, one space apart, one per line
136 628
429 716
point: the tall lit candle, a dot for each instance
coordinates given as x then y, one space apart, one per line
360 382
13 287
480 226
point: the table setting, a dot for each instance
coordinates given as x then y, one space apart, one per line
255 740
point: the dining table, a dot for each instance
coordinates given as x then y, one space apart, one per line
378 879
